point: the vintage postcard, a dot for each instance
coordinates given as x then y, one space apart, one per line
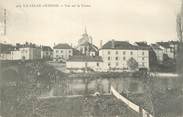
91 58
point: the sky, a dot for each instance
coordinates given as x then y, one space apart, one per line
123 20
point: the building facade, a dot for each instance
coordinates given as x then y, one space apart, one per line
5 51
62 52
5 56
84 63
46 53
159 52
26 53
167 49
117 54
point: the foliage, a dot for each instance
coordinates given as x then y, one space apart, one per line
20 96
132 64
153 62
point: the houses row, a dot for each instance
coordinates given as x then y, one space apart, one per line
27 51
114 55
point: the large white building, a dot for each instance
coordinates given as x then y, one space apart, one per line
85 63
116 55
62 52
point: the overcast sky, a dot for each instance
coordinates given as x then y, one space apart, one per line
132 20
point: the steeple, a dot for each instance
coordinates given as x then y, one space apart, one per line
85 30
85 34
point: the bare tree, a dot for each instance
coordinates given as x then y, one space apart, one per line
179 62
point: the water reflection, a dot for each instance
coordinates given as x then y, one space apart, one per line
128 85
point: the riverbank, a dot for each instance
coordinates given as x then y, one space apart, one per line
165 75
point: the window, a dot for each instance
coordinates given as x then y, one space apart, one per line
124 53
117 64
109 52
97 64
116 58
131 53
143 64
69 51
142 58
124 58
61 51
142 53
116 52
56 51
109 64
109 58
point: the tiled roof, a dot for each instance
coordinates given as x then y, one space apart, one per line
120 45
76 52
142 44
85 59
46 48
26 45
62 46
155 46
164 44
173 42
6 48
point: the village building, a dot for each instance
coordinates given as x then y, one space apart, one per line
46 53
5 51
27 51
159 52
175 46
86 46
62 52
117 55
153 57
167 49
84 63
5 56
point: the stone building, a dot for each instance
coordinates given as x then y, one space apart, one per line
116 55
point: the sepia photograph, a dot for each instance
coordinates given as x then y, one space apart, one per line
91 58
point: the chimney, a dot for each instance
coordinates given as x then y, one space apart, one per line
113 43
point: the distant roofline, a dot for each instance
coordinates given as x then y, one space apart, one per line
131 46
67 46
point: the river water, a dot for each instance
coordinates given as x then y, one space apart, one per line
127 85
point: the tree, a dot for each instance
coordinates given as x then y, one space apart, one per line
153 61
179 59
132 64
179 35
